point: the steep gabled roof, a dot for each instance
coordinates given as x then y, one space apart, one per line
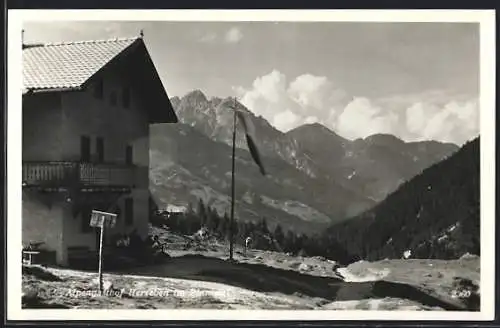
66 66
69 66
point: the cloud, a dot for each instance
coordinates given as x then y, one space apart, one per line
268 97
233 35
285 119
314 91
307 99
208 38
361 118
436 115
455 121
311 119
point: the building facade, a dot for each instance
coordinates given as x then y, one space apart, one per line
87 108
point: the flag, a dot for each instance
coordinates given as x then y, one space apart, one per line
251 141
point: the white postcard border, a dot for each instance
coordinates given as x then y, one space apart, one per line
486 19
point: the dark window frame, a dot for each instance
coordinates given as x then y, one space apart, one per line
99 143
129 211
85 148
129 155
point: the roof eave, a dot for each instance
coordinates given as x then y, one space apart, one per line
44 90
165 113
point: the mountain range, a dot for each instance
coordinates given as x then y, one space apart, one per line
316 177
434 215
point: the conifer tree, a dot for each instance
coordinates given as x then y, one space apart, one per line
264 229
223 228
279 235
202 212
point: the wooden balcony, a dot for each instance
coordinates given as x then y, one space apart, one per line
64 175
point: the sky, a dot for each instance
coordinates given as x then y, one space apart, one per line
418 81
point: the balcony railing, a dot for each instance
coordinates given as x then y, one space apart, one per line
71 174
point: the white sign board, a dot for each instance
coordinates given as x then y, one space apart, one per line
100 219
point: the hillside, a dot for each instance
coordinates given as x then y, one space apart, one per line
435 214
374 166
187 166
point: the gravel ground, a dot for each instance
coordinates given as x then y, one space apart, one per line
201 277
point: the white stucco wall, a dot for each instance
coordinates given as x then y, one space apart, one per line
43 222
52 127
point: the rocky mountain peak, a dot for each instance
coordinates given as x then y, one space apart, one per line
195 96
175 101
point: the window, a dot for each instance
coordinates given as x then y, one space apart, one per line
99 89
112 98
129 211
100 149
126 97
118 211
129 155
85 148
85 215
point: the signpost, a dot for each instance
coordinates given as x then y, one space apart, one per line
101 220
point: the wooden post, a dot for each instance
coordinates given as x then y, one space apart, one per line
100 258
100 219
231 221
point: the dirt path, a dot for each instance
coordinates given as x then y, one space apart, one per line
264 280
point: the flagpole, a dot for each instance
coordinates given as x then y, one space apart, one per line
231 241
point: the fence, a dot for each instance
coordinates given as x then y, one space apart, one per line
60 174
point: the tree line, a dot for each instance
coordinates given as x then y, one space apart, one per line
264 236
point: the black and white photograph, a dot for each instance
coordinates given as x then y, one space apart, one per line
275 166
